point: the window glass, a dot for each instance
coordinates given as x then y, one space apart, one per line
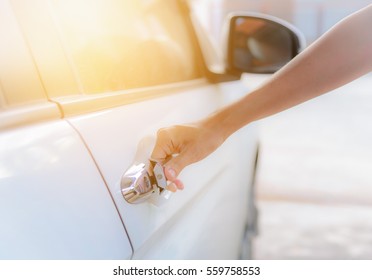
115 44
19 79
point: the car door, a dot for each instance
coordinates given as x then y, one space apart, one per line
124 70
54 203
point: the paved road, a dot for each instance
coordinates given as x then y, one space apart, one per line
315 178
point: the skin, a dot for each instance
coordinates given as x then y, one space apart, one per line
341 55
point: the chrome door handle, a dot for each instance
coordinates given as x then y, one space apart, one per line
143 181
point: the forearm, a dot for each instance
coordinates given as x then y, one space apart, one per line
338 57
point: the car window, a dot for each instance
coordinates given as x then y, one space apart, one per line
19 80
109 45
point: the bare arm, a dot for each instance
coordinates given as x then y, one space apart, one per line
338 57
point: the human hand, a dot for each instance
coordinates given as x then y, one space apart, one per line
181 145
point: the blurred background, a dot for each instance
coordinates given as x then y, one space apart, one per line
314 184
312 17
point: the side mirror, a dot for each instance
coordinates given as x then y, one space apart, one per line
259 43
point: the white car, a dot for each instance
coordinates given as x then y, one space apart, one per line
81 84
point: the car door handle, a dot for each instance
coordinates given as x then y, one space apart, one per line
142 181
145 179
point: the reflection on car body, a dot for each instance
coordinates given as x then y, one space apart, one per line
81 84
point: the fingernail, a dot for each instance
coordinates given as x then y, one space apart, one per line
179 185
172 173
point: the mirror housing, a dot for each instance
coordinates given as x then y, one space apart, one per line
258 43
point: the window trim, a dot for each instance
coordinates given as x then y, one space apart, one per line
15 116
78 104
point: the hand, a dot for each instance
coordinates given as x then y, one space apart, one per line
181 145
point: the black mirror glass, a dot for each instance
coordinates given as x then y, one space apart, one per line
260 46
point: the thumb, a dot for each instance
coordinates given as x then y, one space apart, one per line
171 171
175 165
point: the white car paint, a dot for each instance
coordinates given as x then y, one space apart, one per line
207 219
54 203
63 153
60 178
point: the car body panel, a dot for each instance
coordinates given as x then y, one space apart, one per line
65 143
112 137
54 203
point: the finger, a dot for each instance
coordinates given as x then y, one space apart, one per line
175 165
172 187
179 184
176 185
163 146
158 153
171 175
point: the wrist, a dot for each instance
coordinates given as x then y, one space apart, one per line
218 125
231 118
